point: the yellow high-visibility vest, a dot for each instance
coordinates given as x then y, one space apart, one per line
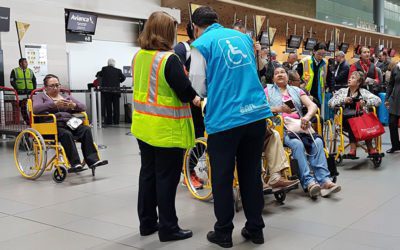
308 75
20 80
159 117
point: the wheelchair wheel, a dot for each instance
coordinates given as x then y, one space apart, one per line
280 196
339 160
377 161
329 136
236 198
197 165
30 154
59 176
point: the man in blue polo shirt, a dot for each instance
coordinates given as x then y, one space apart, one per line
223 69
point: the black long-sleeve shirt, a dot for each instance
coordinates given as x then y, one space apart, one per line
178 80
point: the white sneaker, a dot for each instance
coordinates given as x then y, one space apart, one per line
331 190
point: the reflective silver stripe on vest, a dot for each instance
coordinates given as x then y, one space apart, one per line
162 111
153 76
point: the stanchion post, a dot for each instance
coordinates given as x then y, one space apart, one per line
98 92
2 112
94 113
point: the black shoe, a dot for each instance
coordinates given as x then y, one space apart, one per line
98 164
76 169
148 231
392 150
256 238
224 241
180 235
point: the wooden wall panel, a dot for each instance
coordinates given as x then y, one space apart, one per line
278 20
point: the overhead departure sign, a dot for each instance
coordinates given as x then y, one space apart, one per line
81 22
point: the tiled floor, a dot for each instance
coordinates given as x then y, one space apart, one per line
100 213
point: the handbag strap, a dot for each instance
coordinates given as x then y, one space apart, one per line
312 137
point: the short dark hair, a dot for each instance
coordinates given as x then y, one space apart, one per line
384 53
21 60
204 16
239 24
319 46
189 31
48 77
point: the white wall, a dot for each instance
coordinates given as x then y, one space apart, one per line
48 26
86 59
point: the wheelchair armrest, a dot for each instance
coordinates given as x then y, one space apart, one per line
44 115
47 127
84 116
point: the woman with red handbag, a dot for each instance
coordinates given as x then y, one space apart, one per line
349 97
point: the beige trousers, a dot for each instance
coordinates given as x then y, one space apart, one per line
275 156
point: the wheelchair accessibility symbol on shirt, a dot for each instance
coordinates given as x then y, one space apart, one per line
235 52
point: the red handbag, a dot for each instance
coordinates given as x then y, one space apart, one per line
366 127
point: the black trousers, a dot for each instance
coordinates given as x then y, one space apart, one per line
159 177
198 121
111 101
83 134
243 144
394 130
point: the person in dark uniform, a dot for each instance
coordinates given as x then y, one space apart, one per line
392 102
111 78
182 49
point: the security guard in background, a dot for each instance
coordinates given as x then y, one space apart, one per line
23 81
22 78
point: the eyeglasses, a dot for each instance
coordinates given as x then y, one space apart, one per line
54 86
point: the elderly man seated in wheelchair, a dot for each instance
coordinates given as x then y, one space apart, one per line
68 126
307 148
348 98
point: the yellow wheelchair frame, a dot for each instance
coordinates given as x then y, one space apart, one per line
335 133
203 169
198 157
32 141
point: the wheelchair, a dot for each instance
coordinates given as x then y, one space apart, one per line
33 145
196 159
334 136
318 126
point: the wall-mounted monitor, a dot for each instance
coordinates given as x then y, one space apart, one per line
264 40
344 47
4 19
81 22
294 42
310 43
331 46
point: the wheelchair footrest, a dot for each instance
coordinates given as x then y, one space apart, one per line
373 156
350 157
279 190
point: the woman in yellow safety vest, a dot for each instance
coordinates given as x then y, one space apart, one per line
162 124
